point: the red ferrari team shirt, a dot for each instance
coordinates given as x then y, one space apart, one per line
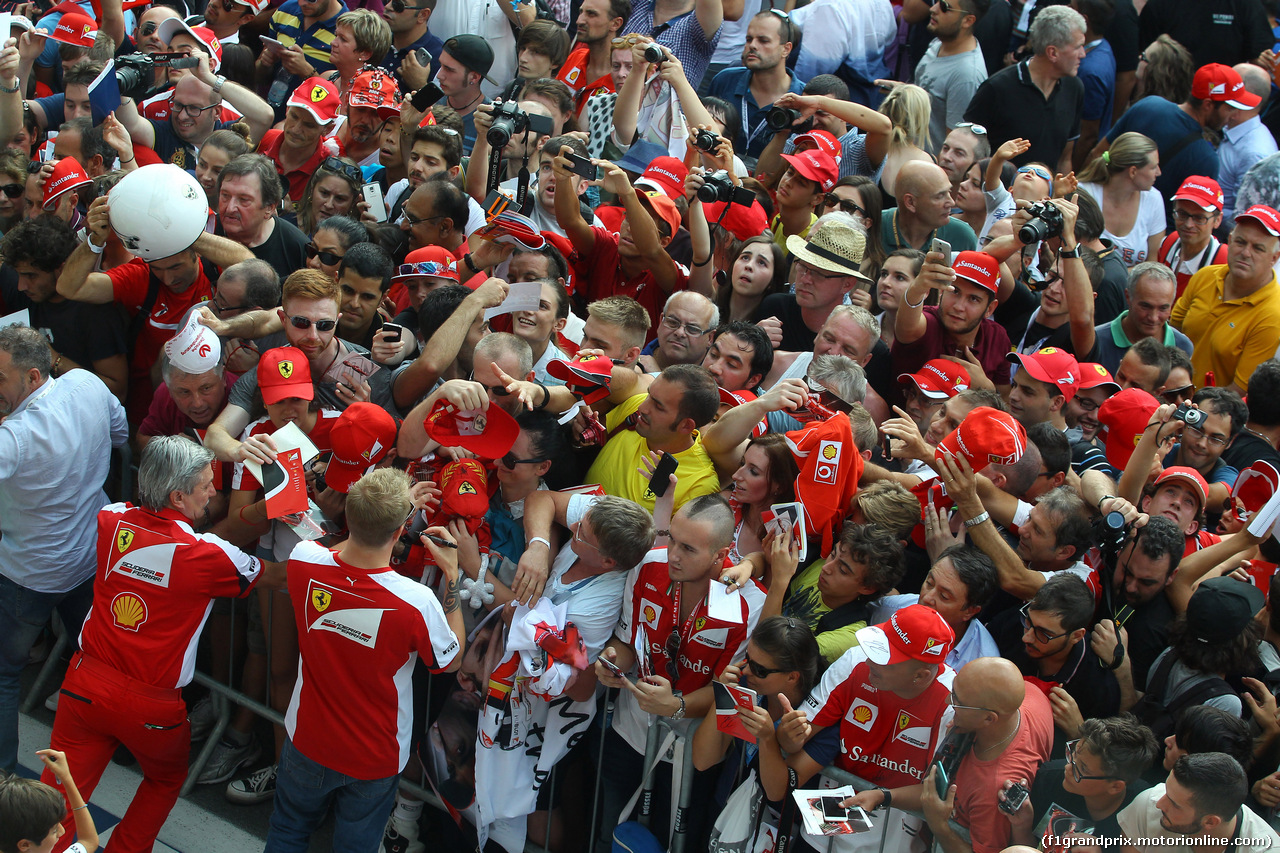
359 634
297 179
885 739
155 585
242 478
604 278
650 622
574 75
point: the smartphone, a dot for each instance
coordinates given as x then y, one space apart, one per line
372 193
1014 798
424 57
613 668
423 99
395 333
278 45
941 246
941 781
832 810
583 167
661 478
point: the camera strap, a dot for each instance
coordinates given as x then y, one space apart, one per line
522 183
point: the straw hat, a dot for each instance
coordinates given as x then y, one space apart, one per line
834 247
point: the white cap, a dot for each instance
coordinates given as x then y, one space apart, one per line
196 349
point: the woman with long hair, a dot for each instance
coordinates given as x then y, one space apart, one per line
766 476
759 269
334 190
908 107
858 196
1122 182
1165 69
218 150
896 274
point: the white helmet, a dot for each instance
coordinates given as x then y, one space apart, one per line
158 211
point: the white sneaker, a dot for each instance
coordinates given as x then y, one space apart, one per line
401 836
226 761
52 702
258 787
203 716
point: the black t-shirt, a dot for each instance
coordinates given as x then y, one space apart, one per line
1109 300
1011 106
1028 336
1225 31
1047 790
1148 629
796 336
992 33
1249 448
1122 35
285 249
82 332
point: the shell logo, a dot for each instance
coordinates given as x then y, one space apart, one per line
650 614
285 368
129 610
829 452
862 714
123 540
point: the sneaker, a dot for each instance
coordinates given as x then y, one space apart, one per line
255 788
203 716
52 702
227 758
401 837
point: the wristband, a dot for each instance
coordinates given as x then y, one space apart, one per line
78 808
97 250
978 519
1104 499
546 396
887 803
910 304
130 160
11 91
533 539
1070 253
242 518
694 263
471 265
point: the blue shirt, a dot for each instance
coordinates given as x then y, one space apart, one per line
394 57
1098 74
734 85
54 453
1242 146
682 35
1166 125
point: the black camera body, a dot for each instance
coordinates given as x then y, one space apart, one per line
784 118
1046 221
1191 417
135 72
509 120
717 187
654 53
706 140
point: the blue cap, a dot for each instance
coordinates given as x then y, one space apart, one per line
640 155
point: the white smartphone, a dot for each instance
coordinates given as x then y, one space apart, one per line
278 45
372 193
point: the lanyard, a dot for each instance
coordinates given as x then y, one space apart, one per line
682 629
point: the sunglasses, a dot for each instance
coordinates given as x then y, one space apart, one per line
510 460
975 129
847 205
13 190
149 28
348 171
329 259
1038 172
434 268
759 670
1173 395
672 651
400 6
307 323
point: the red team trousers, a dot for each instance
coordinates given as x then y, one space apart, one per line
100 709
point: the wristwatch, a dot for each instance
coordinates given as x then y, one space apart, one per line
679 715
218 83
1070 253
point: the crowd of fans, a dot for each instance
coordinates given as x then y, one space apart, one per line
915 367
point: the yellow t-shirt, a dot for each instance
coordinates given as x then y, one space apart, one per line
1231 338
781 239
616 468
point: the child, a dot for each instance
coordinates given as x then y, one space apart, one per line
31 812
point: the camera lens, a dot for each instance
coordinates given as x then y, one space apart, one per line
653 53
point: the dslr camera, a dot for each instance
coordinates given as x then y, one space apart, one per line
135 72
718 187
783 118
509 119
706 140
1046 221
1193 418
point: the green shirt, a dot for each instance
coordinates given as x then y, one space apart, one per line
956 232
805 603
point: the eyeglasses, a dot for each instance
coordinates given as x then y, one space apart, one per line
1038 172
951 700
400 6
1040 633
495 390
1215 440
1086 404
307 323
689 329
759 670
1075 767
191 110
510 460
1182 216
149 28
218 307
975 129
13 190
577 534
672 651
826 396
329 259
845 204
406 216
813 272
348 171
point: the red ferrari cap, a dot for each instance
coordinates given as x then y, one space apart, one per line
916 632
1223 83
284 372
488 433
815 165
980 268
1190 476
1093 375
1123 418
1203 191
363 435
986 437
1264 216
665 174
1051 366
66 176
938 379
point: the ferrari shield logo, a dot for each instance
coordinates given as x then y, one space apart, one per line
466 489
123 540
318 94
286 369
320 599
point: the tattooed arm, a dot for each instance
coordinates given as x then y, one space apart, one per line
447 559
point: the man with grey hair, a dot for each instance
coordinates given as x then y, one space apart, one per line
56 437
156 581
505 352
684 332
1245 140
1040 99
185 403
1150 295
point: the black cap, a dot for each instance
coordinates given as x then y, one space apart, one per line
473 52
1221 608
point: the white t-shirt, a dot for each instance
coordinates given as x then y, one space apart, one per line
1132 247
1140 821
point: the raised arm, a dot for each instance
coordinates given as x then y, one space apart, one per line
723 439
568 208
77 280
1075 281
935 274
644 231
627 106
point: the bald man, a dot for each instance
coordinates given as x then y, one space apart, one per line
1012 726
1245 140
923 213
684 332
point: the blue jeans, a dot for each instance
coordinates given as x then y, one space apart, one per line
24 613
304 792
